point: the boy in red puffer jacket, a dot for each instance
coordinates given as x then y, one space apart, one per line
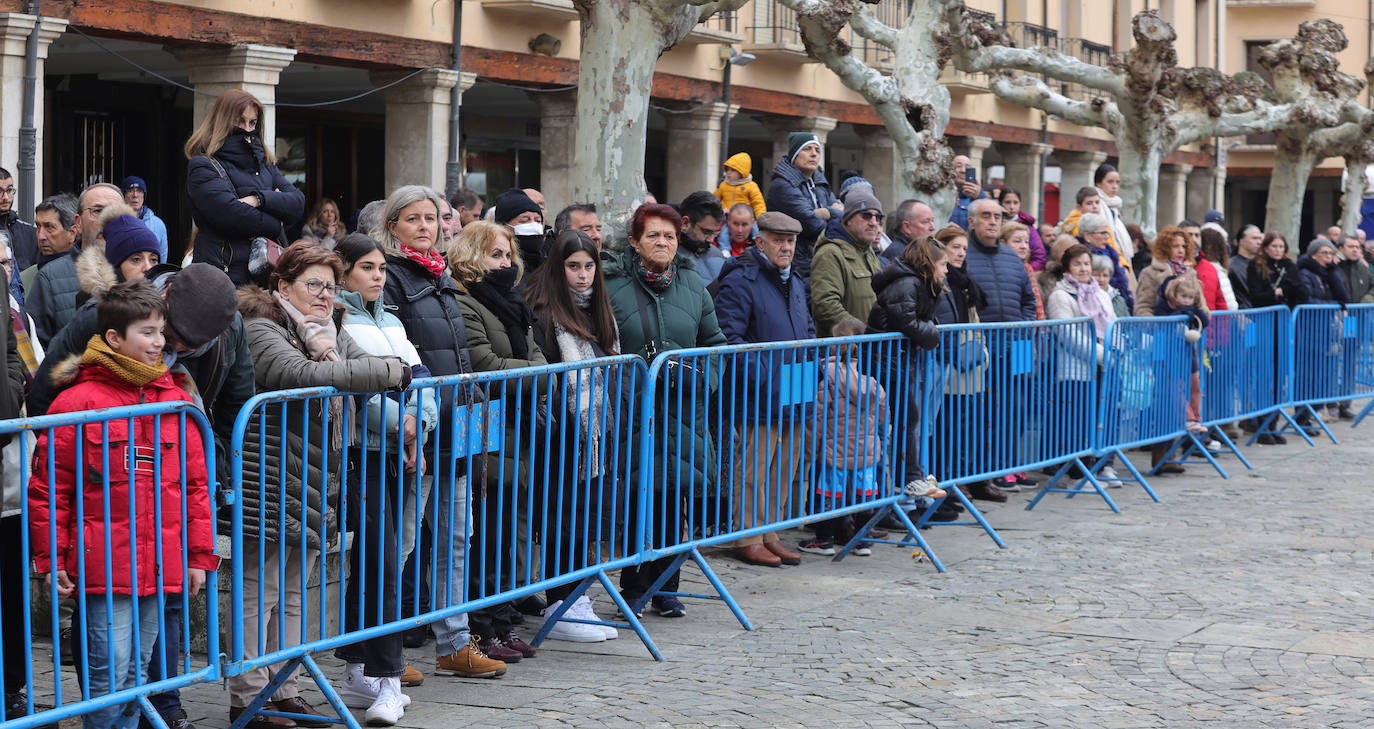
147 492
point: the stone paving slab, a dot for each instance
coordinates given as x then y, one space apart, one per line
1236 603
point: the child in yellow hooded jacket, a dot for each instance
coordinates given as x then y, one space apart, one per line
739 185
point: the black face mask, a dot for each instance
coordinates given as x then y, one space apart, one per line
501 278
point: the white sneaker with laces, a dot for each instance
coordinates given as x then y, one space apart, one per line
390 705
1109 477
359 691
573 632
356 690
582 609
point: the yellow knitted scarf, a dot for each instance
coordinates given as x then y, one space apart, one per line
128 369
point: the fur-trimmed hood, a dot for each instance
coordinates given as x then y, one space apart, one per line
93 272
256 303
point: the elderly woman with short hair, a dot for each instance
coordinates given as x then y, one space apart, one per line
1095 230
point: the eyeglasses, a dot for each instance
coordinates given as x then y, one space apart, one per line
7 191
870 215
94 210
315 287
7 262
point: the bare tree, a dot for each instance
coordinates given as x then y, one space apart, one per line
910 100
1357 162
621 43
1306 75
1149 105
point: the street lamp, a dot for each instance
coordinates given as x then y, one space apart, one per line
734 59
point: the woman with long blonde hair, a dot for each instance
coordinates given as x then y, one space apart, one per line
237 193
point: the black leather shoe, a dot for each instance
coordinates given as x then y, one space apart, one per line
531 605
983 491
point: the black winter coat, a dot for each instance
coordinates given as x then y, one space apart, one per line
1283 274
23 240
905 304
1324 284
227 226
428 309
792 193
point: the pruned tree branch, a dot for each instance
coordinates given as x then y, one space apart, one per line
1031 91
873 29
711 7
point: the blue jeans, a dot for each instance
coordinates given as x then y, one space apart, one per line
110 654
451 514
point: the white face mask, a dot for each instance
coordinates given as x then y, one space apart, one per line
529 229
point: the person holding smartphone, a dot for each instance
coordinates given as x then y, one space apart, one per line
969 190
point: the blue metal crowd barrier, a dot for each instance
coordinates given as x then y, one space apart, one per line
523 480
501 484
1140 398
101 492
1008 397
747 440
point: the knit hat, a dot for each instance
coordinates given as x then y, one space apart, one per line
125 236
200 304
797 140
133 183
859 201
850 183
1317 244
513 202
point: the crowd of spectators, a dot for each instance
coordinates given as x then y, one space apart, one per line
426 287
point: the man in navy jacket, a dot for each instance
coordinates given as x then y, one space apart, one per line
799 190
759 298
996 268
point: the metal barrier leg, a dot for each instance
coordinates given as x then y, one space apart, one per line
1089 477
150 713
1316 419
957 493
1231 446
722 594
628 611
1363 412
578 591
1135 473
1196 444
1291 423
330 695
913 536
254 707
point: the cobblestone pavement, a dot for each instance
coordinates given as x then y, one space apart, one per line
1240 603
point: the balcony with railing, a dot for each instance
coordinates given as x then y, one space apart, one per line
774 32
1096 54
723 27
1030 35
545 9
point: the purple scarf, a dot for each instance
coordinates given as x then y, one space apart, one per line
1091 305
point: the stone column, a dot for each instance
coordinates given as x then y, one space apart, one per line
694 150
557 127
1201 189
417 114
1075 170
248 66
14 35
821 126
882 165
1025 173
1173 198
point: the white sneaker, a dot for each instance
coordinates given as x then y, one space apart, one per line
390 705
1109 477
573 632
1214 445
582 609
356 690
